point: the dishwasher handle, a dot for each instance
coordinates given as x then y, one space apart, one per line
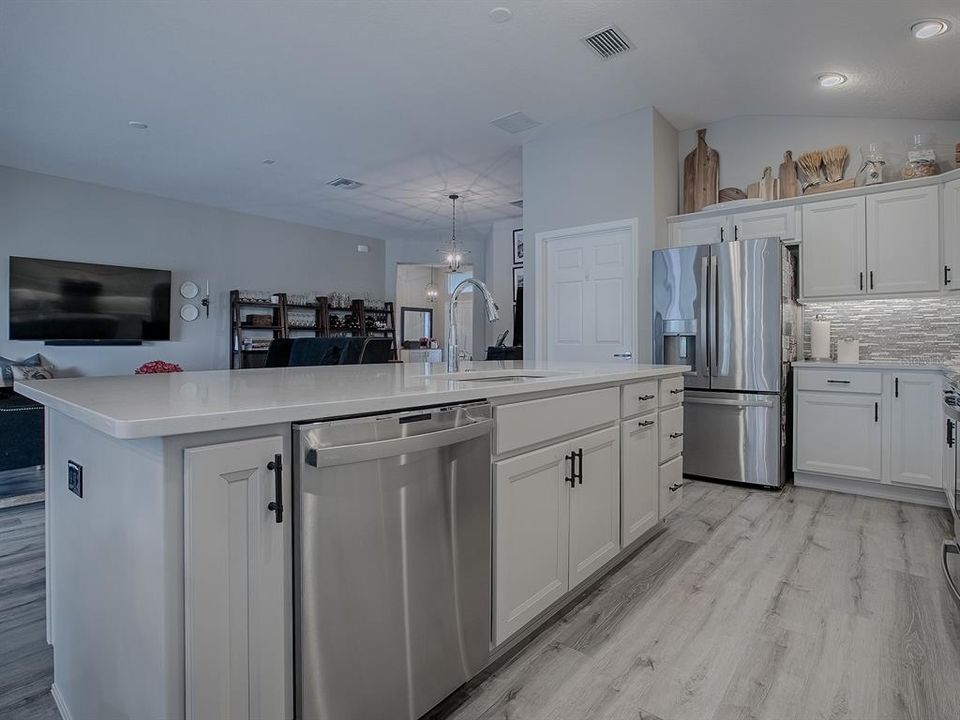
377 449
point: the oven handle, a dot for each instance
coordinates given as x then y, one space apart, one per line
697 400
951 547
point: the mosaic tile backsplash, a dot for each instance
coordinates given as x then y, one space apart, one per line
908 330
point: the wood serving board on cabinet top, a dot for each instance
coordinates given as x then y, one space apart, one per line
701 176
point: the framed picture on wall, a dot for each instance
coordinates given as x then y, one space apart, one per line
518 247
517 281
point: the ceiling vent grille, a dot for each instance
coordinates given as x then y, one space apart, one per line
515 123
345 183
608 41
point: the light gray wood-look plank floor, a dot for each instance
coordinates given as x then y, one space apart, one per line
26 661
752 604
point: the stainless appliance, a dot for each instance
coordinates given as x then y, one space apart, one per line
729 311
392 565
950 555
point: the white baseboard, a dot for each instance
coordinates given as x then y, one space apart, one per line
61 705
899 493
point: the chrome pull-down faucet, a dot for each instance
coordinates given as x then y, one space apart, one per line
493 314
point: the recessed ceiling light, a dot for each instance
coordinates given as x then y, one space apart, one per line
269 161
500 14
929 28
831 79
137 125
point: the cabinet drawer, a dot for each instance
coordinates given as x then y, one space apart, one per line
536 421
671 433
852 381
671 391
671 486
638 398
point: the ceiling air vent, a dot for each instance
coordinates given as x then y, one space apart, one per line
608 41
345 183
517 203
515 122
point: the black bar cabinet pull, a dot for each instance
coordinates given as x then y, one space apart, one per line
839 382
876 412
736 232
946 274
644 398
276 505
896 387
645 423
579 455
676 391
572 479
721 234
951 439
871 279
861 280
674 436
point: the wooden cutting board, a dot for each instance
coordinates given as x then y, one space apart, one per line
701 176
789 184
768 185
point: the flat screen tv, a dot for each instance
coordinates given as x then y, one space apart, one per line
58 301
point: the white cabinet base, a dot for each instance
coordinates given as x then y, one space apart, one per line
900 493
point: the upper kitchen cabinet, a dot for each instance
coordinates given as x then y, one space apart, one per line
701 231
951 235
777 222
903 241
834 237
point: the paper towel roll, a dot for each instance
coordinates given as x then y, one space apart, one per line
820 339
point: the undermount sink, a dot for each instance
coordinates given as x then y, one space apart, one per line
494 376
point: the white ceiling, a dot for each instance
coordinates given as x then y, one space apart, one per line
399 93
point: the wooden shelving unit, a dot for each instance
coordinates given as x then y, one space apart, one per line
351 321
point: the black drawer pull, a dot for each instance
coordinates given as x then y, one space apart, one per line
276 505
676 435
950 430
579 455
646 423
876 412
676 391
674 488
839 382
644 398
572 479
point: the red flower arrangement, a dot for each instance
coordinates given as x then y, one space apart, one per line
157 366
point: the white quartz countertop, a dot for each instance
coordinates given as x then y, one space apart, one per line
876 365
139 406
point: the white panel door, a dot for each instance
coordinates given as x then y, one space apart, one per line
839 434
915 454
903 240
532 525
236 586
834 236
951 235
590 280
595 504
702 231
779 222
639 477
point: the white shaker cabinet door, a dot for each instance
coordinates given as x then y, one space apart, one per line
236 583
951 235
839 433
834 248
903 240
701 231
531 536
639 439
916 457
595 504
778 222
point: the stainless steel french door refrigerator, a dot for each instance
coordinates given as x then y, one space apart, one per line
729 311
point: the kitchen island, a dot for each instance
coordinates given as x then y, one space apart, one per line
170 566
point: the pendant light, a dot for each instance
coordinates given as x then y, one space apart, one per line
453 254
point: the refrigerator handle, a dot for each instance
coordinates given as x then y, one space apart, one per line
703 356
714 326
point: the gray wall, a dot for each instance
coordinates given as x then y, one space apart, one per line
598 173
49 217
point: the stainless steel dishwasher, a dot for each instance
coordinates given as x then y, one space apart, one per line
392 565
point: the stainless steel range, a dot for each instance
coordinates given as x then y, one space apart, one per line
950 557
729 311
